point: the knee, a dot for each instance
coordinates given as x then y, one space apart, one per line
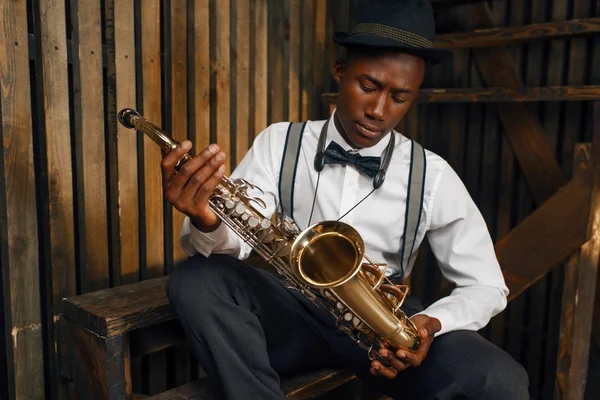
195 282
505 379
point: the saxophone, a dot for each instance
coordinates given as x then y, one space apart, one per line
325 262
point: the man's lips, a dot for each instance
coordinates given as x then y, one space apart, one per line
367 130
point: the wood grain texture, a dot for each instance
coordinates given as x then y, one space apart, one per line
19 228
222 63
179 96
524 131
260 79
151 105
60 268
308 40
300 387
90 155
516 34
242 79
111 312
294 64
202 105
319 71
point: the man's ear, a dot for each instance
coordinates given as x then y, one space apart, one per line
338 70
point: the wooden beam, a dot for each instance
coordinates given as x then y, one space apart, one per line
499 94
523 129
449 3
515 34
546 237
581 273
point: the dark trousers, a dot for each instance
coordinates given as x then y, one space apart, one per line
247 329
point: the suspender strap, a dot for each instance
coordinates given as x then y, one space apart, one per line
289 163
414 203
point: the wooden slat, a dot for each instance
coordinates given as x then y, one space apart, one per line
242 85
304 386
500 94
308 40
111 312
548 236
151 107
319 55
179 88
516 34
580 284
223 79
90 156
537 161
277 50
201 75
19 228
449 3
60 268
260 76
295 66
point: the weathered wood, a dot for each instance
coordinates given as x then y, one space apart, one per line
179 105
548 236
277 51
295 65
308 39
155 338
106 313
500 94
60 259
104 359
223 79
319 52
580 283
89 137
517 34
260 79
201 83
242 79
542 172
19 227
300 387
153 265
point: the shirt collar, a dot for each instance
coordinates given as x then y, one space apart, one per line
334 135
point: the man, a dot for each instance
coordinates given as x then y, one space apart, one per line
247 328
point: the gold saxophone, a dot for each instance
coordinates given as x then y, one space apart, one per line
324 262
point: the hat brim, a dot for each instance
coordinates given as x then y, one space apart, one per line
432 55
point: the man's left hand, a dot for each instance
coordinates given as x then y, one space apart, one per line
402 359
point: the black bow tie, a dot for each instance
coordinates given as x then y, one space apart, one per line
335 154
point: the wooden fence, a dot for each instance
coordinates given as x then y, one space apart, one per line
82 206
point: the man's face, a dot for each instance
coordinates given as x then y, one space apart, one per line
375 94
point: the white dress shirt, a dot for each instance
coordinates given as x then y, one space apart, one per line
452 222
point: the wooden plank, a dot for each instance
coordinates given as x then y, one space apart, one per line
304 386
518 34
450 3
155 338
60 267
104 359
294 63
500 94
179 96
546 237
308 40
260 81
277 49
222 79
319 54
111 312
90 156
19 228
151 107
242 80
580 285
542 172
201 83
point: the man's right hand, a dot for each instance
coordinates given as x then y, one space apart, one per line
190 189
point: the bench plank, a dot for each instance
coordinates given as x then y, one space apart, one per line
299 387
114 311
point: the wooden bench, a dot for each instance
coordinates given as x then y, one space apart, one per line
103 330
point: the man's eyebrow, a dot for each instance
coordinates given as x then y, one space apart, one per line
379 84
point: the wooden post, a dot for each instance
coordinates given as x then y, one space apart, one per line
580 284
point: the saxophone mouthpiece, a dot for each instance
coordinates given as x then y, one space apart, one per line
125 117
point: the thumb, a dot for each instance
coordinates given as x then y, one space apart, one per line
430 327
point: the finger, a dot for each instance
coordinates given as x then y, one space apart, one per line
378 369
206 190
172 158
394 361
414 359
200 178
179 179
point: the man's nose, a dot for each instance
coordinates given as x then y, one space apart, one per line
376 109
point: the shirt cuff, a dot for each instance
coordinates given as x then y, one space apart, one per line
205 243
445 318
